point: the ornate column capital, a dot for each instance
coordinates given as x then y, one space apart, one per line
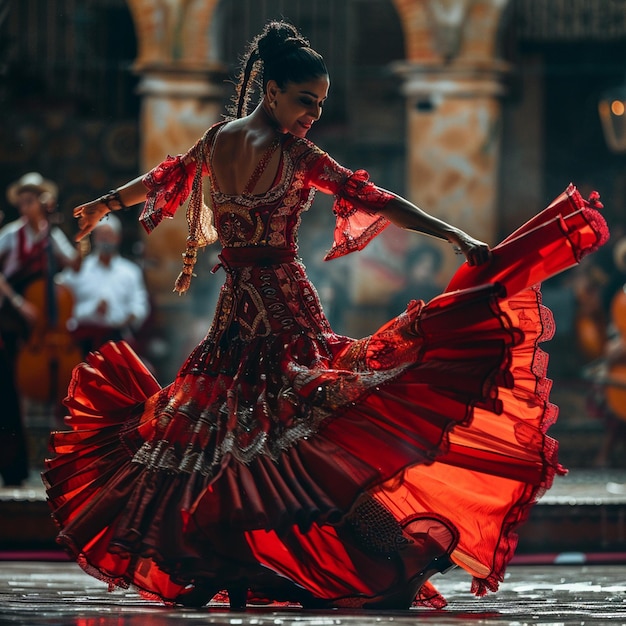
461 79
176 81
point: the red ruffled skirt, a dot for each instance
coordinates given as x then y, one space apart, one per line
340 467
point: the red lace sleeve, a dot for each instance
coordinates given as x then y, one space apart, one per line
169 185
357 201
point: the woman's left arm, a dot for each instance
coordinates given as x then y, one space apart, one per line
354 190
406 215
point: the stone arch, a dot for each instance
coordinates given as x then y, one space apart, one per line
438 30
173 31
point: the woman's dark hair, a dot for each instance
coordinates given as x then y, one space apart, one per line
278 53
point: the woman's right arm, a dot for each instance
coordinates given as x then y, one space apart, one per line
173 176
90 213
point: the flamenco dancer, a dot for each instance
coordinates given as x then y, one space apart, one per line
285 461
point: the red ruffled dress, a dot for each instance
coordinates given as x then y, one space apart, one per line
287 457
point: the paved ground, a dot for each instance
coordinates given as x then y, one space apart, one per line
60 594
563 590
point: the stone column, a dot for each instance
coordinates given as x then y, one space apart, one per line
453 81
177 107
453 142
182 89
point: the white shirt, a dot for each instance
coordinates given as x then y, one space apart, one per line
120 285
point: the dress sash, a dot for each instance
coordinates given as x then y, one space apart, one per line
245 256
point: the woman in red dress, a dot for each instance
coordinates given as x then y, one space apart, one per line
286 461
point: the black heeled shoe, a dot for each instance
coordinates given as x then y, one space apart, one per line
201 594
197 597
402 599
238 597
271 586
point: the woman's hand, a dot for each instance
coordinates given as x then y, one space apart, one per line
88 216
476 252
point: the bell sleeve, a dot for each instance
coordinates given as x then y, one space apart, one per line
169 185
356 206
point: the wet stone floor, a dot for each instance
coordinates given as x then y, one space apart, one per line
60 594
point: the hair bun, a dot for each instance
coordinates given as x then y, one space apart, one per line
278 39
281 54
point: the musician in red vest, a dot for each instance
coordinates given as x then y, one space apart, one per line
24 259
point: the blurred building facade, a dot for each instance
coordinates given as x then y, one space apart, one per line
480 111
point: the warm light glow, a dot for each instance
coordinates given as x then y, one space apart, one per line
612 110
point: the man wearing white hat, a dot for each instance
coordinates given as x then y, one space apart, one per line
21 240
24 259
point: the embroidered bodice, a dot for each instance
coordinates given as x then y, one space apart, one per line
267 219
272 218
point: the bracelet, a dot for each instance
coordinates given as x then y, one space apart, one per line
17 301
112 200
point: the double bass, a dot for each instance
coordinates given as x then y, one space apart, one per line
609 372
46 359
615 391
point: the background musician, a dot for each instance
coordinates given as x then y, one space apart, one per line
110 297
27 247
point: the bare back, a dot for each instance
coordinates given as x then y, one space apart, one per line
245 158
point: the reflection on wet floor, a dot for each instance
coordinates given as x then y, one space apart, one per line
579 522
38 594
